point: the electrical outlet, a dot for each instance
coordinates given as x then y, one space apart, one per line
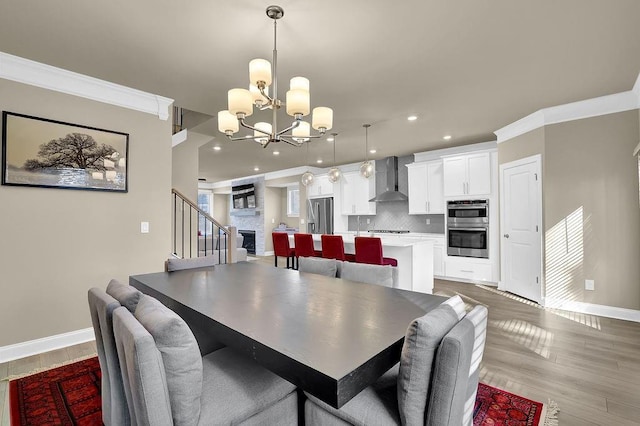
428 221
144 227
589 285
301 221
273 220
368 221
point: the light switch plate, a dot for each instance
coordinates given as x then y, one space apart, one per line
144 227
589 285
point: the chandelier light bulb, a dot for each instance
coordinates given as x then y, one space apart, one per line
227 122
240 102
307 178
260 70
334 174
302 132
366 169
299 83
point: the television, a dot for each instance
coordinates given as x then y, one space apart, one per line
244 196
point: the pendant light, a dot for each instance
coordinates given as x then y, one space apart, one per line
307 177
366 168
334 172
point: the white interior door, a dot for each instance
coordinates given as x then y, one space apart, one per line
520 227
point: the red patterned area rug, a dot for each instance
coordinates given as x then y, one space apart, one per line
67 395
496 407
70 395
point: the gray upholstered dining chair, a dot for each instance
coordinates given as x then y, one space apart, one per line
167 382
434 383
318 265
114 403
384 275
101 307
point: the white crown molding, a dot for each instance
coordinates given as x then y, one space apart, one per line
178 138
456 150
593 309
46 344
603 105
48 77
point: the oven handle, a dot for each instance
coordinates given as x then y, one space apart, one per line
483 228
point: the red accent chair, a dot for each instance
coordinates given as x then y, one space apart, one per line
281 249
304 245
369 250
333 248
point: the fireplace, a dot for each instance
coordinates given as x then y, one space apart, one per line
249 240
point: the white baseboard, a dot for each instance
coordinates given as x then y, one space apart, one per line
269 253
45 344
594 309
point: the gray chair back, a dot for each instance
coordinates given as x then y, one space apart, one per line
318 265
174 264
114 403
454 382
384 275
142 370
125 294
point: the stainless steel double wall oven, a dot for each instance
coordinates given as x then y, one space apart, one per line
468 228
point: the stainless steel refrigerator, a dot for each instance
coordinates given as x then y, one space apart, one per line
320 215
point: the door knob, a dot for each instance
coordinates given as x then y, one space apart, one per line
506 235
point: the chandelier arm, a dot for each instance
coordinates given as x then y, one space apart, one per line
306 136
248 126
240 138
291 142
270 101
293 126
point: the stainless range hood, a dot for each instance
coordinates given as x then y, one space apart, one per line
391 192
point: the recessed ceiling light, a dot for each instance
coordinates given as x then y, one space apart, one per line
319 161
372 151
256 169
447 137
216 148
412 117
330 139
276 152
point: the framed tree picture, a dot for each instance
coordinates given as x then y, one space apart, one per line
54 154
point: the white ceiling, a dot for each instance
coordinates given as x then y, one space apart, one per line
465 67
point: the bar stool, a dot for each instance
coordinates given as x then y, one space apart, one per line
281 248
304 246
369 250
333 248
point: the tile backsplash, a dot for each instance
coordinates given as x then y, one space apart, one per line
394 215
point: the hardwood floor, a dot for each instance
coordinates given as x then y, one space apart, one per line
589 365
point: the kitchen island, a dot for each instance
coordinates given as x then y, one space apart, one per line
414 255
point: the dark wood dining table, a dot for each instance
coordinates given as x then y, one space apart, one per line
328 336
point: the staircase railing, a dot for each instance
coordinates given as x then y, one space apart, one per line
221 241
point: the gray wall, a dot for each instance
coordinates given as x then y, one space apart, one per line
56 244
590 205
394 215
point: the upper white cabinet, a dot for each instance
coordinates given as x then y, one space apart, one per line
321 187
356 193
468 174
426 194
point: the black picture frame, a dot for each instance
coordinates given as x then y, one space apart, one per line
44 153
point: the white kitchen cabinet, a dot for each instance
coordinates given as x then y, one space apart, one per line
438 257
468 268
321 187
356 193
426 194
468 174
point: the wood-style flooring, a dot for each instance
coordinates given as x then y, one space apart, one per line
589 365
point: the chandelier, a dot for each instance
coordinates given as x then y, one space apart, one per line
263 74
